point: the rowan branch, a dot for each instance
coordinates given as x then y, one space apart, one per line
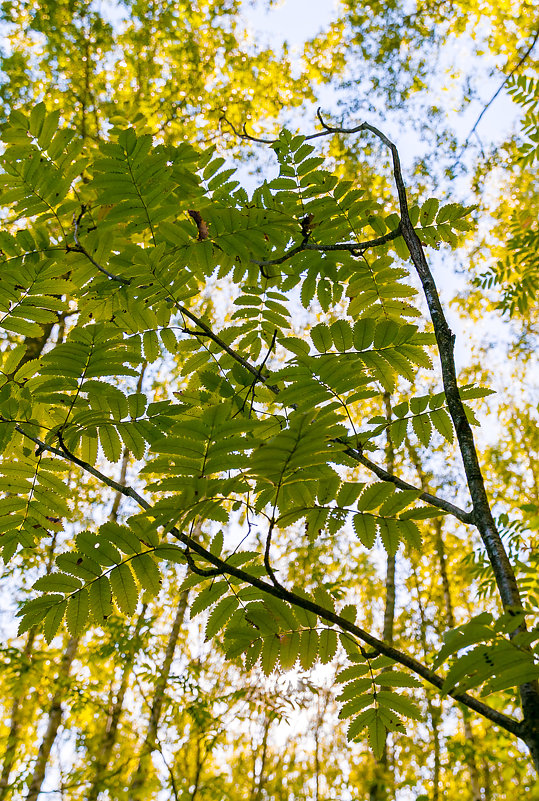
279 591
64 453
79 248
354 248
206 331
432 500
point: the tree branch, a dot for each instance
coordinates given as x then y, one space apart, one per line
433 500
81 249
278 591
354 248
205 329
445 339
64 453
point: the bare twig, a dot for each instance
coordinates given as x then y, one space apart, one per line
267 560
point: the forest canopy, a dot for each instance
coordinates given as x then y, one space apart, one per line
269 505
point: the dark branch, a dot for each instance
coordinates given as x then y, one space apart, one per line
267 560
445 339
206 331
278 591
64 453
506 722
432 500
81 249
355 248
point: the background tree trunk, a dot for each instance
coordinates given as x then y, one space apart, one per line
136 789
54 720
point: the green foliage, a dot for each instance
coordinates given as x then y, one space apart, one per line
115 248
515 268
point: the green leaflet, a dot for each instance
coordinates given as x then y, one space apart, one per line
290 648
398 703
377 736
359 723
147 573
327 647
53 620
100 599
270 653
309 647
124 588
220 615
208 596
77 612
58 582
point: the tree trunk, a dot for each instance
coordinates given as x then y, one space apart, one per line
53 724
18 702
379 788
104 754
258 781
15 722
475 783
136 790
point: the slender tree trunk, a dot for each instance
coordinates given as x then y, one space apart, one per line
198 769
486 783
435 712
34 348
104 754
136 790
379 789
259 780
475 783
317 760
440 551
15 723
54 721
110 734
17 706
318 726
